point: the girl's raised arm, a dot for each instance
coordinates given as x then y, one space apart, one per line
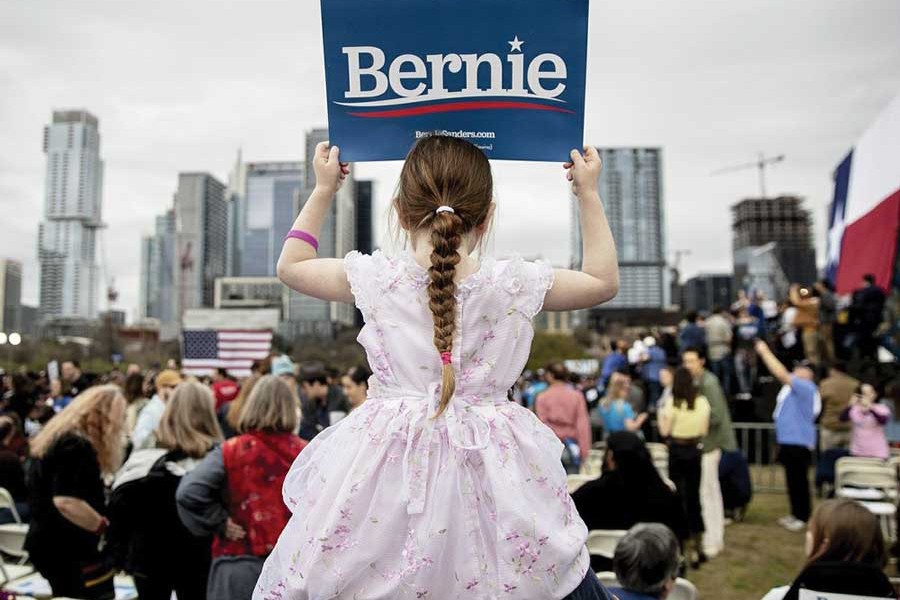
298 267
598 280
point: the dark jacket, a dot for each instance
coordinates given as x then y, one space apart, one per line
68 468
317 415
146 536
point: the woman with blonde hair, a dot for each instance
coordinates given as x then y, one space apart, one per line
235 492
146 537
72 453
615 410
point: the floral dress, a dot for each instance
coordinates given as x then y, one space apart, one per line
393 503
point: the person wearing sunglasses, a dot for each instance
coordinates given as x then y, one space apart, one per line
321 403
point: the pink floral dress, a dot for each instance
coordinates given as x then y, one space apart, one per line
391 503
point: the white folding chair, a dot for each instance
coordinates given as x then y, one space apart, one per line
603 542
6 501
887 518
10 573
575 481
683 590
12 535
608 579
593 466
855 474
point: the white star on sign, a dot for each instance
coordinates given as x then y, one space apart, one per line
515 45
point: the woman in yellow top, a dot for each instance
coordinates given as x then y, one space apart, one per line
684 421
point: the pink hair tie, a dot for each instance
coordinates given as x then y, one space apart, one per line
446 358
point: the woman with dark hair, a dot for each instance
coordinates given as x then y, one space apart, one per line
868 419
136 398
21 396
12 473
684 420
563 409
630 491
845 555
356 385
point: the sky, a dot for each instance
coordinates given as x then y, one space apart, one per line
181 86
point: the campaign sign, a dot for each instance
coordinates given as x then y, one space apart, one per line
506 75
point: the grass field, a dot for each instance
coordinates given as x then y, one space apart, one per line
758 554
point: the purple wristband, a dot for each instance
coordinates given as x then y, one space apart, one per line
303 236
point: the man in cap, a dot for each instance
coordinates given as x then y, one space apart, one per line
150 416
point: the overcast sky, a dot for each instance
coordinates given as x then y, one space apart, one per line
180 86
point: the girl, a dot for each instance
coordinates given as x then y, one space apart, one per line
437 486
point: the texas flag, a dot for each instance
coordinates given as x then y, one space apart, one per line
865 213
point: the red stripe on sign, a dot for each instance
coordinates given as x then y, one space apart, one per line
459 106
869 246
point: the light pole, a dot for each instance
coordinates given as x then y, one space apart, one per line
10 340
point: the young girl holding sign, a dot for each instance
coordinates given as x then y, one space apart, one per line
438 487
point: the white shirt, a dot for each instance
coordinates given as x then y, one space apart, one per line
148 421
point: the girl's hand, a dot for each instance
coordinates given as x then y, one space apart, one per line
583 171
330 172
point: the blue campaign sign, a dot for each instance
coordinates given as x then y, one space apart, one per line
507 75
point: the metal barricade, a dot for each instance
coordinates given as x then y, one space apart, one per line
757 442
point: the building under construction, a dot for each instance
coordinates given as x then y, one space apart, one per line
782 221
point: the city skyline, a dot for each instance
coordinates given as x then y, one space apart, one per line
702 84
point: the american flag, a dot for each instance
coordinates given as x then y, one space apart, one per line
205 350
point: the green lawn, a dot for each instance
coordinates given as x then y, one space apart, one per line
758 554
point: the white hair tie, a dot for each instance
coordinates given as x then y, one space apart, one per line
445 208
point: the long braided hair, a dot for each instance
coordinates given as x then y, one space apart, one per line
444 171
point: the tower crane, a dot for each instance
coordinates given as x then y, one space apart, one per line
760 164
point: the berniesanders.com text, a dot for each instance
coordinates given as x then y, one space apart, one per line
481 135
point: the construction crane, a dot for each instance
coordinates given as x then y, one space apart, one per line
760 164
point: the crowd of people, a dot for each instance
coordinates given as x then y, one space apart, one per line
682 387
175 480
180 477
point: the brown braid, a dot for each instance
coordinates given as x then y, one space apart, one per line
446 235
444 171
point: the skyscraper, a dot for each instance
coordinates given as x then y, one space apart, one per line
783 221
67 238
157 271
631 189
704 292
265 212
338 237
201 240
10 296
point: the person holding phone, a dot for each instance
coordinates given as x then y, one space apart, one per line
867 418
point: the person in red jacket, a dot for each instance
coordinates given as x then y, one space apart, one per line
235 493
